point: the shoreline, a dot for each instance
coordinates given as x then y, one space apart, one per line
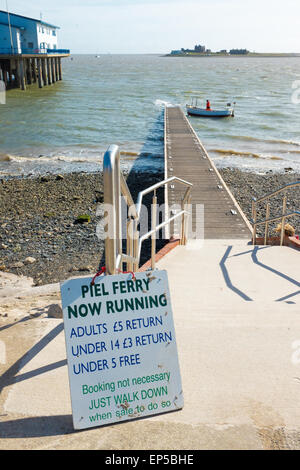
42 238
238 56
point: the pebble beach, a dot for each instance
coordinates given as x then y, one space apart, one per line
51 229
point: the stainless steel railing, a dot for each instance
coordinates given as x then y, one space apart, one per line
267 220
115 187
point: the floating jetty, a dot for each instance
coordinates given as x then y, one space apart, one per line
186 158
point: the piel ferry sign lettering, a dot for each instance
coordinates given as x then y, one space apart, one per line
121 348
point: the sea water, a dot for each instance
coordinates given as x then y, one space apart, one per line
120 99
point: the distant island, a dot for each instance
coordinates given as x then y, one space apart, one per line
201 51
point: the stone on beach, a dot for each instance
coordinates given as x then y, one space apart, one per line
29 260
17 264
55 311
19 298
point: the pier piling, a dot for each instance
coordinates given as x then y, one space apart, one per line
39 61
49 71
20 70
22 75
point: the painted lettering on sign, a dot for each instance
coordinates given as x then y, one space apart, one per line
121 348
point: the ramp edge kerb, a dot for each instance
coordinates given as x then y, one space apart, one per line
171 244
249 226
167 231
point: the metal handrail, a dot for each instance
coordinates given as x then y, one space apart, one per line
274 219
274 193
114 187
268 220
35 51
172 179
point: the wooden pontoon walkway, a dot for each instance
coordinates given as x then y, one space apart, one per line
186 158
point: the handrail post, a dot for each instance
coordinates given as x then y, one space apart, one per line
283 219
183 224
254 218
130 235
153 226
112 203
267 223
189 215
185 203
136 238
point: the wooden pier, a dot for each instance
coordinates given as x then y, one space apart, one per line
186 158
18 71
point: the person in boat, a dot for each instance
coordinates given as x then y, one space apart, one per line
208 105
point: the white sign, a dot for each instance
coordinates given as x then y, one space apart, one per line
121 348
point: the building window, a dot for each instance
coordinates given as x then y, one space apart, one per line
30 45
53 32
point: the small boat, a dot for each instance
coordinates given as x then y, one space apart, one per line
194 110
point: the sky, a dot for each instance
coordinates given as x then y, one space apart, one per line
159 26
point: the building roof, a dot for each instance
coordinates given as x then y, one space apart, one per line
28 18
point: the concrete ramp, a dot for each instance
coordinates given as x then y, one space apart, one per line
221 274
236 313
236 310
